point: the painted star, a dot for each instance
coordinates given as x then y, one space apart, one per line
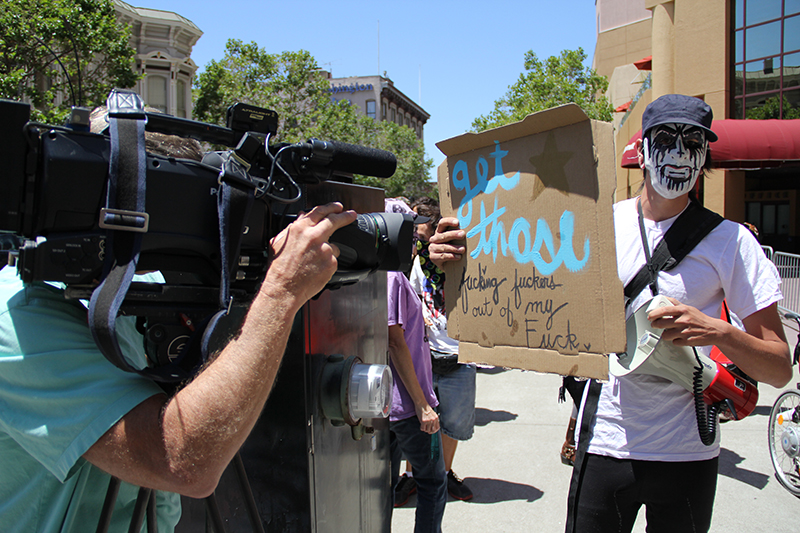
549 167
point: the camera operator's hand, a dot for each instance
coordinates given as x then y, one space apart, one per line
443 244
304 260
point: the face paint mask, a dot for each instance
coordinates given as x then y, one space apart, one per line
674 159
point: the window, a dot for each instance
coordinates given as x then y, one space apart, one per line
371 109
180 99
770 211
770 218
766 51
383 110
392 115
157 92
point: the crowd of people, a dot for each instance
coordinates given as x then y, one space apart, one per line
70 420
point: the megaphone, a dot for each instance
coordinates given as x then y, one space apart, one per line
647 353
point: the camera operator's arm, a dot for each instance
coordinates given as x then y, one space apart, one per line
404 364
443 247
183 444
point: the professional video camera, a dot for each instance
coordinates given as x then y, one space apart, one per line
92 208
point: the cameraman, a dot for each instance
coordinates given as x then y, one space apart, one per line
69 419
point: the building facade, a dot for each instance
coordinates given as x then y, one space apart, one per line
743 58
378 98
163 41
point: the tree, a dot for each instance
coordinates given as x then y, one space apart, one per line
771 109
559 80
291 84
74 48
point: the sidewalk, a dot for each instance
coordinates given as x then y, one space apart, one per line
512 465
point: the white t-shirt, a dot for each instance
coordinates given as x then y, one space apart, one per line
435 321
650 418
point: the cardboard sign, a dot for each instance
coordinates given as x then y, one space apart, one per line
538 286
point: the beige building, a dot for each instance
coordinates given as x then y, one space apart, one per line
743 58
378 98
163 41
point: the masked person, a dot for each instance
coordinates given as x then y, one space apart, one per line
642 446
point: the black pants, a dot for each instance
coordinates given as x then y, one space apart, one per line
677 497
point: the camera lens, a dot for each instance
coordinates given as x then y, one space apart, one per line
376 241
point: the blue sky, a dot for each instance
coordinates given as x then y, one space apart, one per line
453 58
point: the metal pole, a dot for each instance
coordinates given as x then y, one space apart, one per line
108 505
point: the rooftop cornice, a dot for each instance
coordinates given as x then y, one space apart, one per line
145 13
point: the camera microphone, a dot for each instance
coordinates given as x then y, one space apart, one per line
321 158
362 160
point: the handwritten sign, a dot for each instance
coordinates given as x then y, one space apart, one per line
538 288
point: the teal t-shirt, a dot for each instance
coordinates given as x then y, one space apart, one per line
58 396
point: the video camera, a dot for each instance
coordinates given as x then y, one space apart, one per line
58 182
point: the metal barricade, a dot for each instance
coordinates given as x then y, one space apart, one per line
768 251
789 270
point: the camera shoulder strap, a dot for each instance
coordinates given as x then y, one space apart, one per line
686 232
234 200
125 220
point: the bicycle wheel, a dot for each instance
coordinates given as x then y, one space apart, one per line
784 440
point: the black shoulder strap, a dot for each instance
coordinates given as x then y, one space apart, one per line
686 232
584 436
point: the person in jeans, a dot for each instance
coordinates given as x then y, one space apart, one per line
413 422
453 382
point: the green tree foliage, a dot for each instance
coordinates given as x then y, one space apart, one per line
67 47
291 84
556 81
771 110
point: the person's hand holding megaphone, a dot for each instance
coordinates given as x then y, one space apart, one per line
685 325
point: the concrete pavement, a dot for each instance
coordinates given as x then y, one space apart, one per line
512 464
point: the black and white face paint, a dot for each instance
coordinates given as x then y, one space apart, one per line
674 155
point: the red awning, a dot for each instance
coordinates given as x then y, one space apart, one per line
624 107
744 144
644 63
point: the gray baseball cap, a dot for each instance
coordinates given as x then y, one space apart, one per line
679 109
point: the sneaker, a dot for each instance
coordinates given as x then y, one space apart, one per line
405 488
456 487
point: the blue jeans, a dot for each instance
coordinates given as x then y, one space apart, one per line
455 391
424 452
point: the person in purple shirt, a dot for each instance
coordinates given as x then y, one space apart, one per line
413 422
